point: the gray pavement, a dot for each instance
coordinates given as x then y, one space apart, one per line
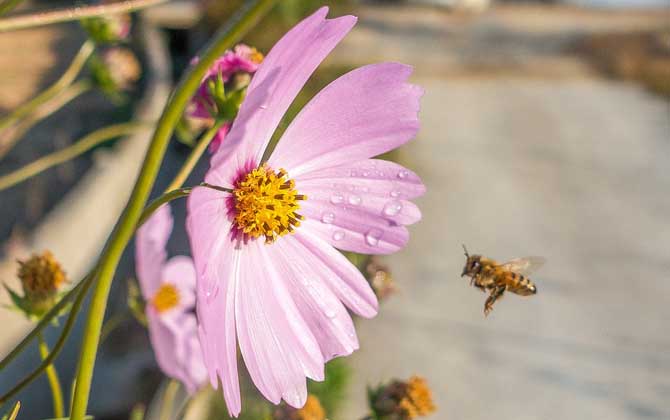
576 171
526 151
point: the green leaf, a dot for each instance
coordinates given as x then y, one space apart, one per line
14 411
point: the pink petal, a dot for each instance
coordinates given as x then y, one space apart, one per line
275 84
372 176
364 113
217 266
150 254
176 347
309 280
180 272
277 346
341 276
353 229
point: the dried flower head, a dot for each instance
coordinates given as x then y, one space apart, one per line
312 410
115 70
380 278
402 400
41 278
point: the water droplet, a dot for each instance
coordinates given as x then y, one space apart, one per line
373 236
354 200
330 313
395 194
403 174
392 208
366 173
336 198
327 218
264 106
338 235
353 173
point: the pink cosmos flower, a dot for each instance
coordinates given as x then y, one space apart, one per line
243 59
168 288
269 275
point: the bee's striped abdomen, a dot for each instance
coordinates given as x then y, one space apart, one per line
520 284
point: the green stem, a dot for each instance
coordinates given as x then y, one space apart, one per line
64 81
45 321
80 292
75 13
195 155
112 323
128 222
52 376
12 136
160 200
81 146
167 402
8 5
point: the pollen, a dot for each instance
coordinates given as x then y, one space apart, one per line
418 399
166 298
266 204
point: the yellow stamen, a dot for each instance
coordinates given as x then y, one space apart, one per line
255 56
313 410
167 297
266 203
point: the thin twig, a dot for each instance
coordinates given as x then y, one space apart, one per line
75 13
64 81
16 133
78 148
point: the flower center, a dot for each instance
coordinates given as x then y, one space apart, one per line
266 203
167 297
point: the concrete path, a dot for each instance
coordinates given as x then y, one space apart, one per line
575 169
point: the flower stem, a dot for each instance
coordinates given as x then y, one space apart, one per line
81 146
126 226
195 155
75 13
167 402
64 81
52 376
79 292
12 136
8 5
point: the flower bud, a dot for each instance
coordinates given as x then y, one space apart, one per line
41 279
107 29
116 70
402 400
311 411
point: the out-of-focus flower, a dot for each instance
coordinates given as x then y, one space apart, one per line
312 410
115 71
402 400
380 278
42 279
107 29
283 295
168 288
222 89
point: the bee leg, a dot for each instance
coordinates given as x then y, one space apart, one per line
496 294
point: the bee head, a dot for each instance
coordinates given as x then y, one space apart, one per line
473 264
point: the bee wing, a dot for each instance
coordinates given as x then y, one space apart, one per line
524 265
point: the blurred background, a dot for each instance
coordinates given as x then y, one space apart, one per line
545 131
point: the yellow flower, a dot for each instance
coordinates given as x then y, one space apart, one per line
418 399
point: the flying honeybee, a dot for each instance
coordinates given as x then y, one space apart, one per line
487 274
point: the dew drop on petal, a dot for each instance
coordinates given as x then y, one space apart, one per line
366 173
328 218
395 194
353 173
403 174
373 236
338 235
392 208
336 198
354 200
264 106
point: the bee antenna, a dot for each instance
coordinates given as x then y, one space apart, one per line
466 250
